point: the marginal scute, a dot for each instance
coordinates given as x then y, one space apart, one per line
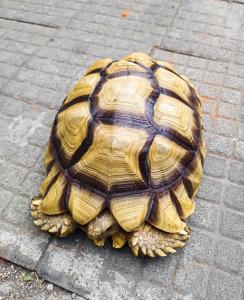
174 83
84 87
84 205
71 128
52 202
194 174
112 159
124 66
186 204
165 64
49 178
164 215
130 211
98 65
48 155
116 95
171 113
140 58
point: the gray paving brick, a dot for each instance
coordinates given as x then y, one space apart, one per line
163 274
7 70
58 68
12 214
236 172
233 224
220 145
40 136
205 216
5 197
234 82
32 183
224 286
34 94
48 117
209 106
234 196
227 110
200 246
146 290
211 190
84 266
229 255
215 166
191 278
212 33
207 123
12 107
13 58
231 96
12 176
13 243
241 131
24 155
239 150
225 127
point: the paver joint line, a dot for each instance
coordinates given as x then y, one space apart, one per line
26 22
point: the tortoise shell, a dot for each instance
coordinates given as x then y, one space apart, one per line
128 138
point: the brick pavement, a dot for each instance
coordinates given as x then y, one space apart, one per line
39 63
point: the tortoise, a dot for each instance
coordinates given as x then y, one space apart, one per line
125 157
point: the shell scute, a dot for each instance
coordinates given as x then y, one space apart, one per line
128 138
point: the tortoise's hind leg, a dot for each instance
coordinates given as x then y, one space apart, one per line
153 242
60 225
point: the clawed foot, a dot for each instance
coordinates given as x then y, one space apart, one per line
60 225
153 242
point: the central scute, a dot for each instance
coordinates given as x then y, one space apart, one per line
113 159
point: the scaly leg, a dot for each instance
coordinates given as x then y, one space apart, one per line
60 225
153 242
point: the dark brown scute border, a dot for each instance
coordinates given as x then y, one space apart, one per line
74 101
126 120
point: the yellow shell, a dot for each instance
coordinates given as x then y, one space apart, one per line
128 138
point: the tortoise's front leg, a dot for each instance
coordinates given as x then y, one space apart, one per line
60 225
153 242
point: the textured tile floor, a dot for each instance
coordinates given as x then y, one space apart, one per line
45 46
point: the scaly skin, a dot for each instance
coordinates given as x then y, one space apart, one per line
60 225
153 242
147 240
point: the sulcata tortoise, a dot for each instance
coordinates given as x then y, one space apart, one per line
125 157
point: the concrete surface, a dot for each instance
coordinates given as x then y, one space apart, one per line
45 46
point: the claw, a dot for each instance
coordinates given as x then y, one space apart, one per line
34 214
99 242
169 249
134 240
67 221
160 252
45 227
144 250
135 250
34 207
54 229
179 244
150 253
184 238
37 202
39 222
64 230
183 232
